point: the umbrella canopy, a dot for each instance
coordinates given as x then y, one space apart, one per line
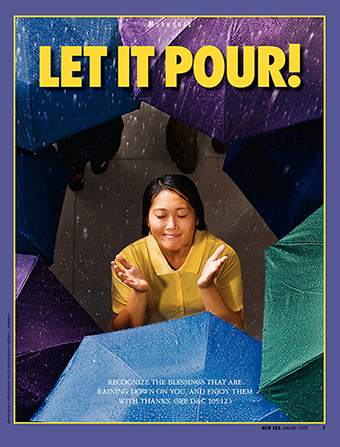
46 115
41 181
225 112
280 173
194 369
50 324
293 337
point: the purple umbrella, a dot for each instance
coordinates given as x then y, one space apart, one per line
225 112
50 324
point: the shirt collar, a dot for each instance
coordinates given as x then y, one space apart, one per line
192 262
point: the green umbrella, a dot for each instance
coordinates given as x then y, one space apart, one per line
293 323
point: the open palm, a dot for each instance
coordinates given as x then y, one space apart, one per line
130 275
211 267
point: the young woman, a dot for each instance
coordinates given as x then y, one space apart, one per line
178 268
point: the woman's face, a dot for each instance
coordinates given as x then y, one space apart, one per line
172 222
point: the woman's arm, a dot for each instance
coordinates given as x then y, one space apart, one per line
212 299
133 314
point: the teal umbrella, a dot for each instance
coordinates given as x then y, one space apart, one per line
293 330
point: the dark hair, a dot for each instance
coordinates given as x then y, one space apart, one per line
181 185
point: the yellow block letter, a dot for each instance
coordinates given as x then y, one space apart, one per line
68 66
95 54
294 64
123 66
45 78
248 67
265 67
172 68
218 64
142 54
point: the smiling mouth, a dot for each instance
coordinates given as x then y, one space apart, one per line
171 236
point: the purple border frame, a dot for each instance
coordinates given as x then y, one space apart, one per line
154 434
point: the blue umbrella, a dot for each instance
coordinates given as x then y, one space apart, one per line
194 369
41 181
46 115
50 324
280 173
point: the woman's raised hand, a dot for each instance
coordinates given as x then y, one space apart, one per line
211 267
130 275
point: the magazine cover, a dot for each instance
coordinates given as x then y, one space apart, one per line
169 224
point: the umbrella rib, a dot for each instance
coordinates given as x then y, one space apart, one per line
187 91
205 360
28 274
282 376
38 350
275 410
307 243
295 289
299 290
225 124
114 356
32 240
34 124
308 188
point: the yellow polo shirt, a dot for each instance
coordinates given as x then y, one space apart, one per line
174 293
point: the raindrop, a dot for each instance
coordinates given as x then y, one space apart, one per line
274 95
